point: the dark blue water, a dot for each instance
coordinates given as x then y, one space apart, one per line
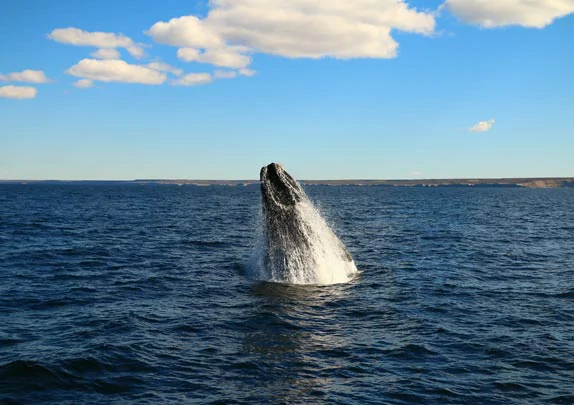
139 294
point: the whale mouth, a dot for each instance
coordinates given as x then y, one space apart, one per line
278 188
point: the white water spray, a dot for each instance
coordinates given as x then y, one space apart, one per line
297 246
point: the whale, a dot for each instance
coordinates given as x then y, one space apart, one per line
299 245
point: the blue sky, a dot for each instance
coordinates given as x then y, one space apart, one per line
331 89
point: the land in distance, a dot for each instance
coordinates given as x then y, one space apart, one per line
531 182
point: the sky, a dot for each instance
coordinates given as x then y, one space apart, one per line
332 89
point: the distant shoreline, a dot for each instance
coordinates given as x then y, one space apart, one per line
530 182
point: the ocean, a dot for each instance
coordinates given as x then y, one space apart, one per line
141 294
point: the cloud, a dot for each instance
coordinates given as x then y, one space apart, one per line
164 67
327 28
116 71
136 51
26 76
193 79
291 28
106 53
482 126
188 31
500 13
229 57
247 72
233 30
78 37
84 83
224 74
18 92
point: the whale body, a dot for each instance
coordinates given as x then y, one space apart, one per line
299 246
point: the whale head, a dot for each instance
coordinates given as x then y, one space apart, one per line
299 245
278 189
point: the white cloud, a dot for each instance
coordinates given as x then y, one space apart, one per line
116 71
247 72
233 30
193 79
291 28
188 54
136 51
78 37
482 126
224 74
499 13
18 92
164 67
84 83
323 28
228 57
187 32
106 53
27 76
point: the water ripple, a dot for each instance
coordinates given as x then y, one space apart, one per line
138 294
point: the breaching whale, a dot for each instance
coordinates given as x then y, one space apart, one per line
299 246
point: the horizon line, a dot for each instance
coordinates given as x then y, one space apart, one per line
301 180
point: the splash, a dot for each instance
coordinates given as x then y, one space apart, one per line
296 246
